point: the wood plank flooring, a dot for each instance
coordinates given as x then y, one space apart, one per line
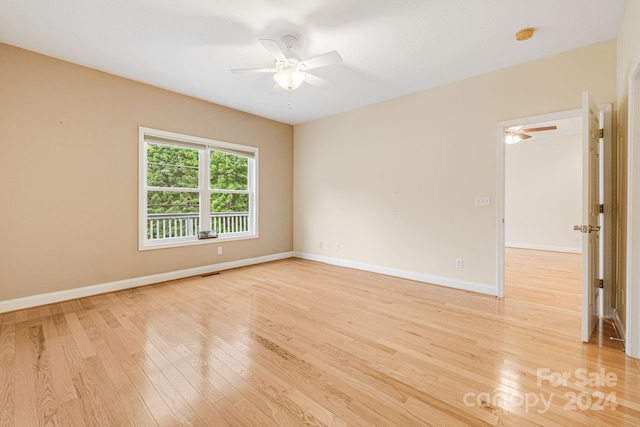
553 279
295 342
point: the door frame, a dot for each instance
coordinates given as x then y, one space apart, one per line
632 303
606 196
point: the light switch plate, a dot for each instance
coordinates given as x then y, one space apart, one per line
482 201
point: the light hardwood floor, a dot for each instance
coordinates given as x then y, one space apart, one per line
295 342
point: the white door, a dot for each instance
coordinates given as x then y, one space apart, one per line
590 214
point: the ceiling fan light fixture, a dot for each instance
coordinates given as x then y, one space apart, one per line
289 79
512 138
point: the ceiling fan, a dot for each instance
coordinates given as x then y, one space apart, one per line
517 133
289 71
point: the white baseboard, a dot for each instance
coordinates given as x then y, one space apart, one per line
53 297
618 324
568 249
404 274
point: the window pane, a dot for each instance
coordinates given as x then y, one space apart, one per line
230 213
172 214
228 172
173 167
229 202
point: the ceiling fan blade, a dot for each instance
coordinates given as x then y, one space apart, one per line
254 70
323 60
540 129
523 135
273 48
316 81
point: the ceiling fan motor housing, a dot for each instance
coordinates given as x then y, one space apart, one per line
288 41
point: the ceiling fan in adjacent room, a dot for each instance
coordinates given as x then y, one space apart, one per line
517 133
289 71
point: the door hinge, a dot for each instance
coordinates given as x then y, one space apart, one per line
600 283
601 133
601 208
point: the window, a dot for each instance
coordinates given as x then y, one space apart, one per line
193 189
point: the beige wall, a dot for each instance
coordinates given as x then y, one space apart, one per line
69 165
628 57
394 183
628 47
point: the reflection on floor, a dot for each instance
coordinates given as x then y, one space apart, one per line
552 279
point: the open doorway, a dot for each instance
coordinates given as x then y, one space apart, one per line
596 127
543 201
502 128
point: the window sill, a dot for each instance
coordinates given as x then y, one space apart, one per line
146 246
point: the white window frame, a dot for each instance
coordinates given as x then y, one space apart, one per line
149 135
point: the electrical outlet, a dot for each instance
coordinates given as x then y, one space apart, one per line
219 250
320 244
459 264
337 247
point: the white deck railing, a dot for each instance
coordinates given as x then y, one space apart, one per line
167 226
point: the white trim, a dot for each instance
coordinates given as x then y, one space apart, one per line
500 178
632 304
500 208
204 164
618 324
197 142
175 243
606 220
142 201
568 249
86 291
404 274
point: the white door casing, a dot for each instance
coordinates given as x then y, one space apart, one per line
632 297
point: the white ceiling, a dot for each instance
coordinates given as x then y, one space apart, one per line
389 48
